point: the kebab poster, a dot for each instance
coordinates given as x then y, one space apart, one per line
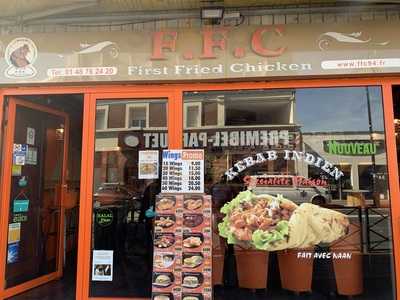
270 223
182 248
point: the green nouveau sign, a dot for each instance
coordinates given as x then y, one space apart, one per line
354 147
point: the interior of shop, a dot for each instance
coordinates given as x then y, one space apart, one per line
36 250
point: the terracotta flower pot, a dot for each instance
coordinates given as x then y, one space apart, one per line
296 272
349 273
252 268
218 260
217 269
218 253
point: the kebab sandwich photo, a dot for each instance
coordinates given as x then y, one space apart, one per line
270 223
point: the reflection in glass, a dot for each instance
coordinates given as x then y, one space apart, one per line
123 201
328 148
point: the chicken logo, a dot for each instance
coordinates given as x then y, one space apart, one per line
20 55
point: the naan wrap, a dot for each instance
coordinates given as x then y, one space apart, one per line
271 223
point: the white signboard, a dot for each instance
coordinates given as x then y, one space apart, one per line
182 171
148 164
31 156
19 154
102 266
30 136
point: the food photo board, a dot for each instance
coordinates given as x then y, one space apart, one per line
182 247
271 223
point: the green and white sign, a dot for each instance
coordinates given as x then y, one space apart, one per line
354 147
104 217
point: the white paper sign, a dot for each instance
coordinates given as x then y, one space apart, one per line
19 154
31 156
102 266
30 136
182 171
148 164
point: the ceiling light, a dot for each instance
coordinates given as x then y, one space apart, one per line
212 12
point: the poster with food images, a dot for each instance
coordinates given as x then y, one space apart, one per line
167 247
271 223
102 265
182 248
148 164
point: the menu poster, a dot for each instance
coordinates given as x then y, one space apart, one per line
148 164
167 248
182 171
197 245
182 247
102 265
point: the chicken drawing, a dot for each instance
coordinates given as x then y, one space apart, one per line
19 56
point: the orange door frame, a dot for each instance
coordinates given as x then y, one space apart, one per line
6 189
174 93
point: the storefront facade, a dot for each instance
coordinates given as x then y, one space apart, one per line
299 110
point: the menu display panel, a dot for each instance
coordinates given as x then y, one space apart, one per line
182 247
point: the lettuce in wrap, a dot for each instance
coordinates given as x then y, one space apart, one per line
269 223
256 221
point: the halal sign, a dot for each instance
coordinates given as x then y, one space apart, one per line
104 217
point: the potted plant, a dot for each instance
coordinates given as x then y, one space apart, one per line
300 260
252 268
348 263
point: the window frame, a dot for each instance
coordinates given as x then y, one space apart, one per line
105 108
128 108
188 105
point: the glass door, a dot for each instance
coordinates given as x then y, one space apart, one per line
129 136
33 182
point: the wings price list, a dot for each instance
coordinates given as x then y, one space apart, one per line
171 180
182 171
182 247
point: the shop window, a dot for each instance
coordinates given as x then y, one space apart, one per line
126 179
324 146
